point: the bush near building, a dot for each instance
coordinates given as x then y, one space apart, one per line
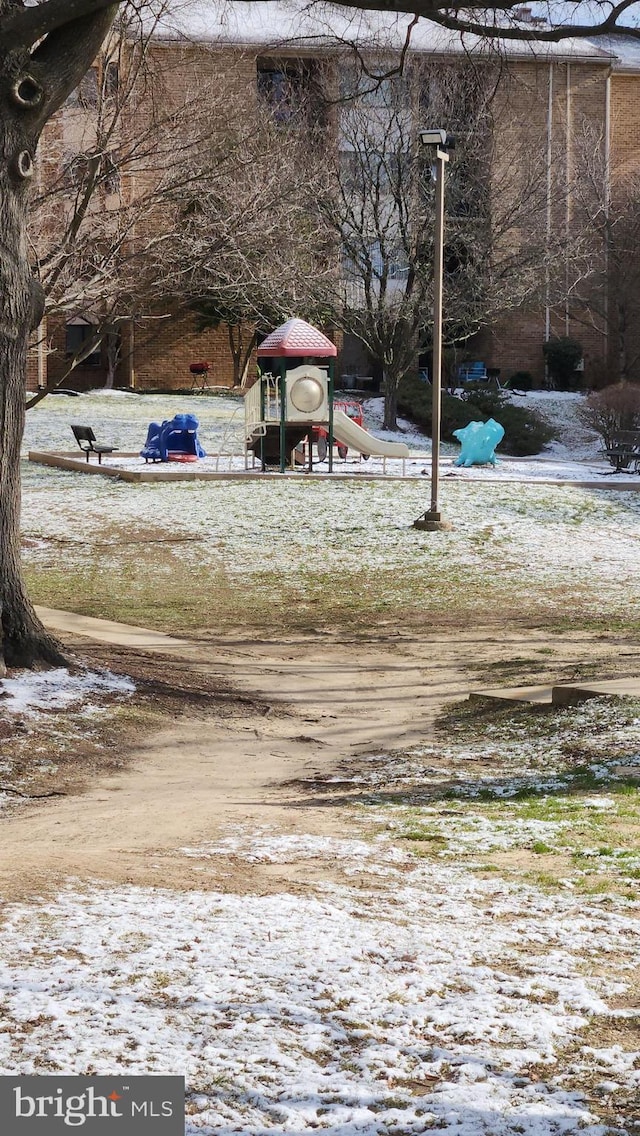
563 357
525 432
613 409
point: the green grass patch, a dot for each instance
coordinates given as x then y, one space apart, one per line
348 550
520 794
163 591
419 835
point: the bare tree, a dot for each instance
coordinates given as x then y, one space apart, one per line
44 51
551 23
606 199
148 132
622 316
252 248
197 199
498 254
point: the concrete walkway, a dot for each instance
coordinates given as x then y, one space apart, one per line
563 694
108 631
142 638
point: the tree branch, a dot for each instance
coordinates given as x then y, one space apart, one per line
448 18
60 61
24 26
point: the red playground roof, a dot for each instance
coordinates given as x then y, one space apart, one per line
296 337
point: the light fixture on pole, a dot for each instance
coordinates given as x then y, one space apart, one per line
440 142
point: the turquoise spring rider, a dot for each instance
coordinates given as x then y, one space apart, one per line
479 441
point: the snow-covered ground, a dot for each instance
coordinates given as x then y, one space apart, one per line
419 992
575 441
121 419
367 1011
551 537
28 692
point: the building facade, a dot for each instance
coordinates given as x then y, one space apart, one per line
567 114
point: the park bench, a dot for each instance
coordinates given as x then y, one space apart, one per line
472 373
86 439
623 450
479 373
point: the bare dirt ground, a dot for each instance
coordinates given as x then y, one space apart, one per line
245 726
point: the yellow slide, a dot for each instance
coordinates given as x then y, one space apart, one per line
348 433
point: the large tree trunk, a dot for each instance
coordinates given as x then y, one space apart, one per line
234 335
33 84
24 640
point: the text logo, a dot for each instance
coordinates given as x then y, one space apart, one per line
96 1106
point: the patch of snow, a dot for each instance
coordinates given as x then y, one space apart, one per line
30 692
373 413
419 1003
121 418
576 441
269 848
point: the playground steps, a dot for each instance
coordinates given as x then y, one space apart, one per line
562 694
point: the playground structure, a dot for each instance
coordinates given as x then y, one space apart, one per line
290 403
353 410
175 439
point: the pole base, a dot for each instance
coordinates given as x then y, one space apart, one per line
432 522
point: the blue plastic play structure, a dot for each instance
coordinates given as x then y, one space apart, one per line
479 441
175 440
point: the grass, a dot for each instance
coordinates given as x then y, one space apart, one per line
571 853
172 596
513 799
337 554
158 589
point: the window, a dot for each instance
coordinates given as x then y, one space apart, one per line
79 335
111 80
393 263
282 87
382 88
86 93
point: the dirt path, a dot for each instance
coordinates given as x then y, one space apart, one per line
196 780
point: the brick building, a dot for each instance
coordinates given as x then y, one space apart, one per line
554 101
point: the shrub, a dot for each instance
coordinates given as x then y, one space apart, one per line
521 381
525 431
562 356
414 402
489 401
612 409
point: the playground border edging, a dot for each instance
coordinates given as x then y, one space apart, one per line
67 461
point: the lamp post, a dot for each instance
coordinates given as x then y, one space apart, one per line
440 141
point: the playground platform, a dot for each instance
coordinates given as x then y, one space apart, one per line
204 470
